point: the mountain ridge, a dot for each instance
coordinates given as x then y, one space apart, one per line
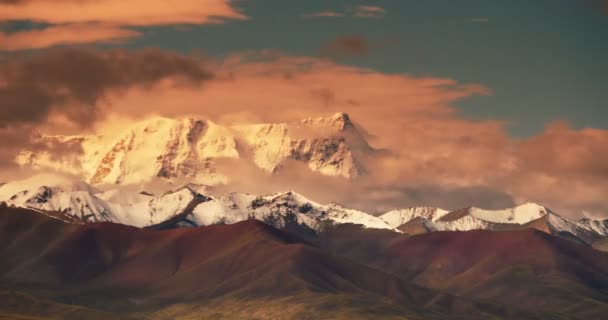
186 206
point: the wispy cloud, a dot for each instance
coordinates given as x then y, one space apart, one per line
326 14
361 11
69 34
364 11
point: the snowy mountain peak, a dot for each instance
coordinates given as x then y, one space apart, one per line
187 206
167 148
339 121
521 214
291 196
399 217
470 218
282 210
191 149
54 192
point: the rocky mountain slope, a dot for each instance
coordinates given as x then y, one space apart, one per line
527 268
198 273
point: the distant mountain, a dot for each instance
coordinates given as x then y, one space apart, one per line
529 215
190 149
278 209
76 199
397 218
182 207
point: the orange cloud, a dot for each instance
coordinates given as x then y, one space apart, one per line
90 21
64 35
119 12
276 87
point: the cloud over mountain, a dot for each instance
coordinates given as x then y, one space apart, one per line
432 151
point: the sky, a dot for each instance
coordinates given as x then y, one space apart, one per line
510 94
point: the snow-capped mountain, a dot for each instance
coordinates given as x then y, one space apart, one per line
476 218
529 215
585 230
280 210
77 199
190 149
399 217
329 145
56 193
291 211
184 206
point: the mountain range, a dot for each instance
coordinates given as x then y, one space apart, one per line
251 270
188 206
92 239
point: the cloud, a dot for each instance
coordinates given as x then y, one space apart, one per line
66 87
360 11
93 21
64 35
367 193
437 157
325 14
301 87
347 46
445 157
118 12
565 167
365 11
72 81
410 115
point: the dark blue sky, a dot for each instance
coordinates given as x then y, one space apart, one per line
544 60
